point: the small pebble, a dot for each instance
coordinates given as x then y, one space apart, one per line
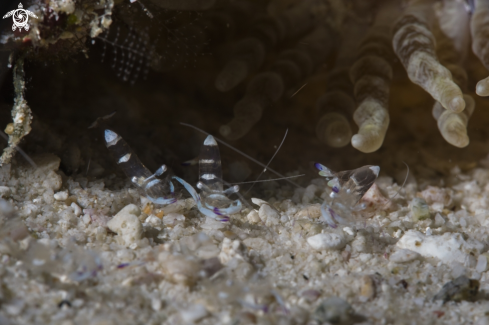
153 221
127 225
367 290
193 313
61 196
86 219
326 241
268 215
156 304
253 217
481 263
76 209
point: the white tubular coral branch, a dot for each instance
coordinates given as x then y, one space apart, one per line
21 114
373 119
453 126
414 44
371 75
451 49
479 27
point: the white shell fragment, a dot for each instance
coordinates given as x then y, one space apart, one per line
76 209
258 202
326 241
449 247
61 196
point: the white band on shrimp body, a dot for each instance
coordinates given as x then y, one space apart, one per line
208 176
210 141
124 158
111 138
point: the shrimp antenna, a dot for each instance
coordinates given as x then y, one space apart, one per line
243 154
268 180
270 161
101 119
22 152
241 197
404 183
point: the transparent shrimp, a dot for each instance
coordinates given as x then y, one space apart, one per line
213 200
347 188
152 186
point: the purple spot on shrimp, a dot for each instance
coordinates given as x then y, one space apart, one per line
335 189
224 219
123 265
318 166
333 214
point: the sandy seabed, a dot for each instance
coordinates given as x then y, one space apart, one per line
80 252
